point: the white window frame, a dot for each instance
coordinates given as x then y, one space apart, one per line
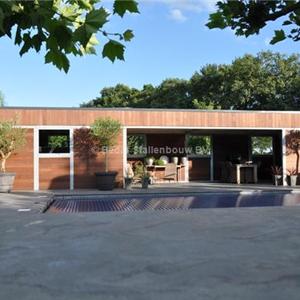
55 155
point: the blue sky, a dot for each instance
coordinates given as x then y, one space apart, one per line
170 41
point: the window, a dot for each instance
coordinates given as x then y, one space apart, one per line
262 145
136 145
54 141
198 145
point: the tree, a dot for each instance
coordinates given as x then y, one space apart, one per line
172 93
208 86
1 99
249 17
64 27
293 146
11 139
267 81
105 131
119 96
57 141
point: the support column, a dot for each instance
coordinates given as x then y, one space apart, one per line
211 159
71 137
36 168
124 152
283 143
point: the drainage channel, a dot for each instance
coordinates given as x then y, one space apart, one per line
90 203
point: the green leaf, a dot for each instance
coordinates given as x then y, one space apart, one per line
51 43
121 6
216 20
1 20
85 4
287 22
37 42
113 50
58 59
128 35
279 36
63 36
95 20
90 49
27 44
18 38
81 35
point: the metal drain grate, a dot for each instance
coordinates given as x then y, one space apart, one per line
175 202
73 206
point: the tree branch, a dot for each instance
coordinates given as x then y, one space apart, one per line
284 11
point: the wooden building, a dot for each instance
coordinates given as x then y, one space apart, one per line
221 135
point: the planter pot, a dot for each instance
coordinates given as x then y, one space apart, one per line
128 183
175 160
145 183
6 182
149 161
184 160
105 181
293 180
277 180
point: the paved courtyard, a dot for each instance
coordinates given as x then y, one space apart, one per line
233 253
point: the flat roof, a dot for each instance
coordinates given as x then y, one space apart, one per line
147 109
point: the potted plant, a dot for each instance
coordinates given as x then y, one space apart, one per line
293 148
128 179
11 139
142 173
277 175
149 160
175 160
145 179
159 162
292 173
105 132
184 160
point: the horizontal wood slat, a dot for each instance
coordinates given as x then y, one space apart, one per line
170 118
54 173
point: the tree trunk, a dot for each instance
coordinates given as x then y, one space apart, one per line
3 163
106 159
297 161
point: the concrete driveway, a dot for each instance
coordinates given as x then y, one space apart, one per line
233 253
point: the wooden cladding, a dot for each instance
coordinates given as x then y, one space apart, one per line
54 173
87 160
21 163
167 118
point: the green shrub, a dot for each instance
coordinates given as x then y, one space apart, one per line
106 132
11 139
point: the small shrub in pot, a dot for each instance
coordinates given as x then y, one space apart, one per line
292 175
105 131
12 138
277 175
